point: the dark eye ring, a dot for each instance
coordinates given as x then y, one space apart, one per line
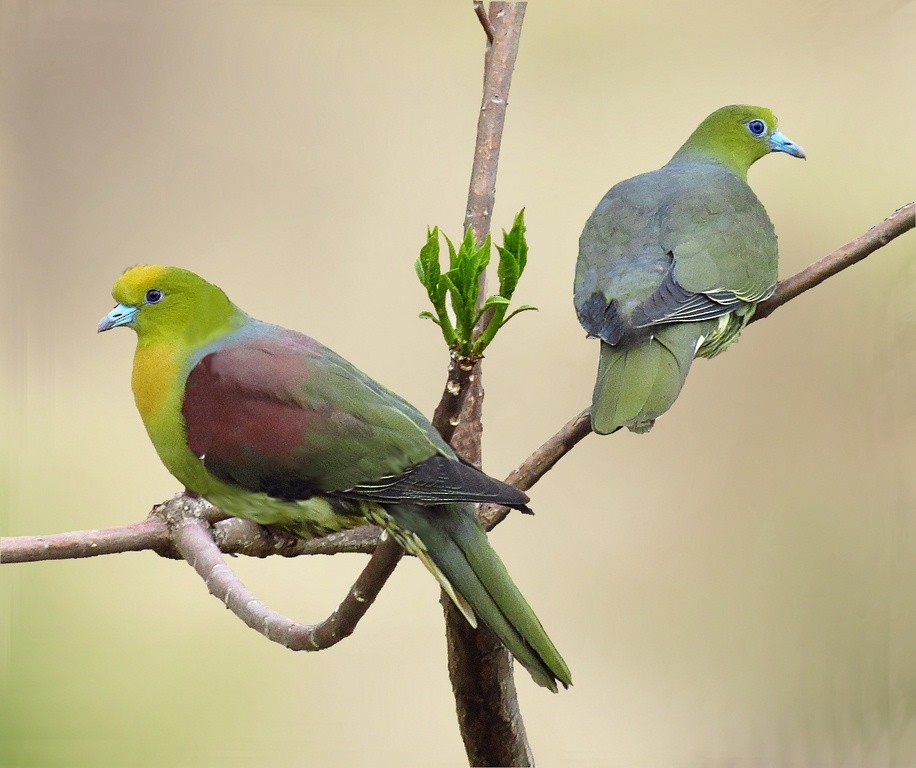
757 127
154 296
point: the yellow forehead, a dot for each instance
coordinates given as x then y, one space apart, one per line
136 281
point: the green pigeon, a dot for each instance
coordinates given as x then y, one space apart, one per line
269 425
672 263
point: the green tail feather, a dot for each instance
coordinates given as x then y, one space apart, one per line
636 385
459 547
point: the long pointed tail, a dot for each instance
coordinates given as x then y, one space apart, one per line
638 384
460 551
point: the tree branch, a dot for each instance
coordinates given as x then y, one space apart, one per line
236 536
480 667
544 458
484 20
151 533
499 63
902 220
460 379
245 537
242 537
539 464
192 540
232 535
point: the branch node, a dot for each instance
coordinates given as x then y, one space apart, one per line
485 22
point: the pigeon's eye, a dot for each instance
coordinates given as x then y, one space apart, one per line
757 127
154 296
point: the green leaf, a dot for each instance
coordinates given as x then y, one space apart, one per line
508 272
482 257
523 308
429 272
513 256
452 254
429 253
516 241
464 266
459 303
427 264
441 290
430 316
460 285
498 305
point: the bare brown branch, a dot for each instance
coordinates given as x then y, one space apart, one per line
491 725
192 540
480 667
484 19
902 220
244 537
232 535
499 64
545 457
458 386
151 533
539 463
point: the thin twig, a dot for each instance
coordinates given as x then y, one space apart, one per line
539 463
499 64
902 220
484 20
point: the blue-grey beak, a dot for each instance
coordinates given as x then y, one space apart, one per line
780 143
123 314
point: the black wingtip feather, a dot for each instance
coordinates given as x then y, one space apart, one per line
672 303
440 480
602 320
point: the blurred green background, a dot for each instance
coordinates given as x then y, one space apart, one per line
735 589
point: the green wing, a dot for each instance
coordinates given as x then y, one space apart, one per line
670 265
686 243
274 410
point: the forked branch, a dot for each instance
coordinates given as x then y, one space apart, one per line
191 528
236 536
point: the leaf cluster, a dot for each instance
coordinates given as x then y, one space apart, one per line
476 320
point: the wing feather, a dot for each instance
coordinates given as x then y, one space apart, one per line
672 303
272 410
686 243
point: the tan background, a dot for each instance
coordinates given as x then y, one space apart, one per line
736 588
